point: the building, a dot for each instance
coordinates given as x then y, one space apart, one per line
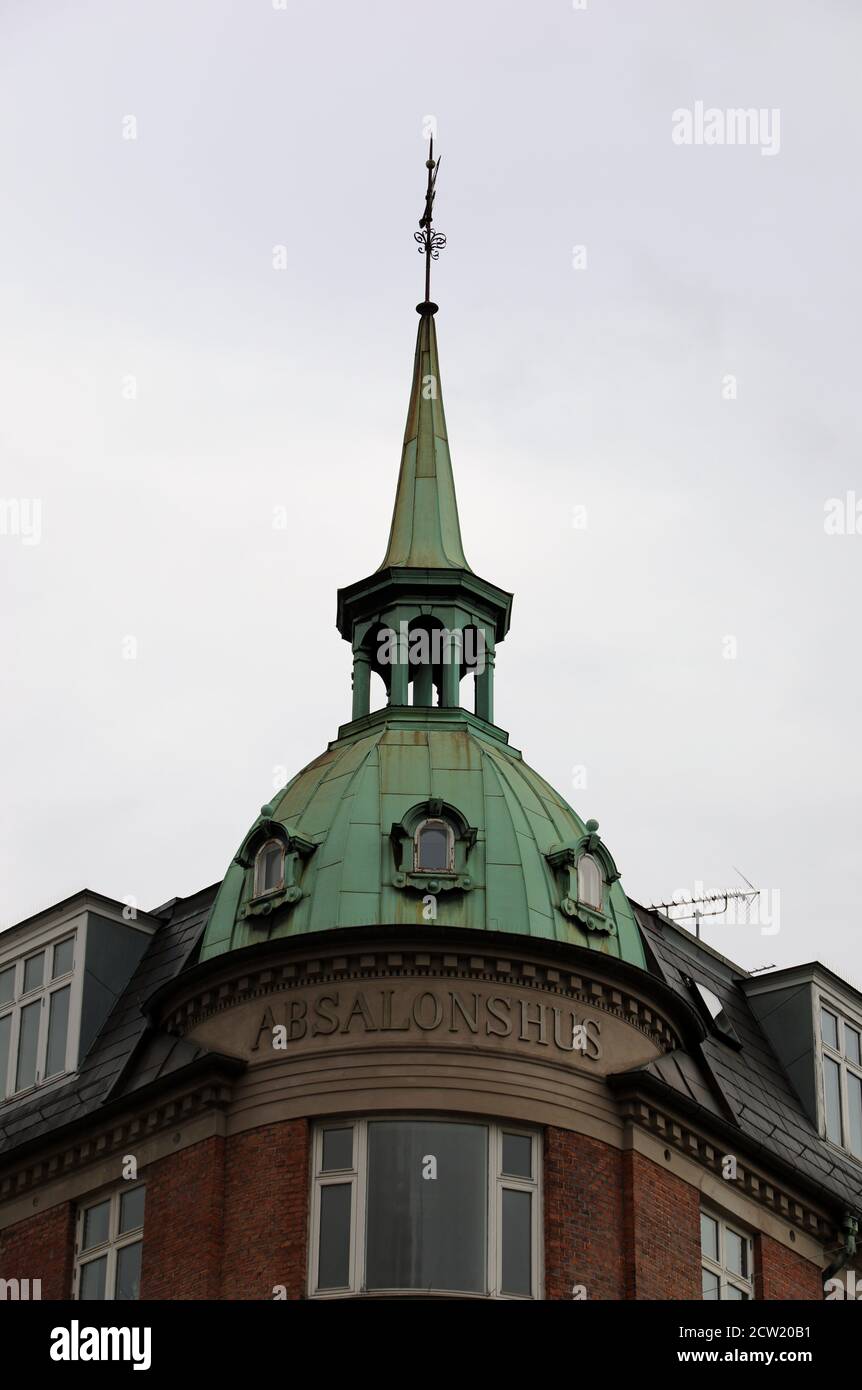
418 1041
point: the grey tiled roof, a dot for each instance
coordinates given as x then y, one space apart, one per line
756 1091
111 1067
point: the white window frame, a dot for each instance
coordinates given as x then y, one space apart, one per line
357 1175
16 957
258 890
434 823
845 1067
114 1243
719 1267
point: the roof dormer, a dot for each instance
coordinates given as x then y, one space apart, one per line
813 1020
60 973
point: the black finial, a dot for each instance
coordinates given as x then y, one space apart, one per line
431 243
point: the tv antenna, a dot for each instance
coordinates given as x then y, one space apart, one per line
697 906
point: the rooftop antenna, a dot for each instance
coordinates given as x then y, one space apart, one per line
431 243
701 905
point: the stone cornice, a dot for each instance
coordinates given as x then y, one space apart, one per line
270 968
115 1129
761 1184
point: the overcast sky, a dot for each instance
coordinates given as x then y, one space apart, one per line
645 446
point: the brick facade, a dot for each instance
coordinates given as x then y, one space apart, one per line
240 1206
183 1223
266 1211
781 1273
583 1217
662 1231
228 1219
616 1224
42 1247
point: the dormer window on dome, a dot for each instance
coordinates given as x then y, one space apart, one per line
269 868
585 872
431 846
434 847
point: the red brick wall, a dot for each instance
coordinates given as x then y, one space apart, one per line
42 1247
183 1223
782 1273
227 1218
583 1216
266 1211
662 1232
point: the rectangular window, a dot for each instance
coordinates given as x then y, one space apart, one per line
108 1247
36 1004
389 1193
726 1254
841 1072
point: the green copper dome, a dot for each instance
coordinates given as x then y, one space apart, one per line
347 816
420 812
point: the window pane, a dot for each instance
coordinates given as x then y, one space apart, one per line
709 1236
427 1181
27 1042
93 1278
854 1114
851 1044
333 1270
7 984
34 970
517 1242
96 1220
735 1253
129 1271
58 1027
710 1284
132 1209
832 1093
829 1028
272 868
589 881
337 1149
518 1155
734 1294
5 1032
64 953
433 848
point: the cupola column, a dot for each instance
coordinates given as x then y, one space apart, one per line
423 685
399 674
451 671
484 686
361 684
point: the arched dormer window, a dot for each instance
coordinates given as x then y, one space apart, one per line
269 868
434 847
589 882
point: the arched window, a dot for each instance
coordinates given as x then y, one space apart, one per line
269 868
434 847
589 882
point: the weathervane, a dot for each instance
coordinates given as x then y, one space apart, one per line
431 243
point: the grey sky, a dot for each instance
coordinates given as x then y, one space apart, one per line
564 388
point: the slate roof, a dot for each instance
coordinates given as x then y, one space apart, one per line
113 1066
755 1093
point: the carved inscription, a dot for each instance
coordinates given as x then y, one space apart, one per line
334 1012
